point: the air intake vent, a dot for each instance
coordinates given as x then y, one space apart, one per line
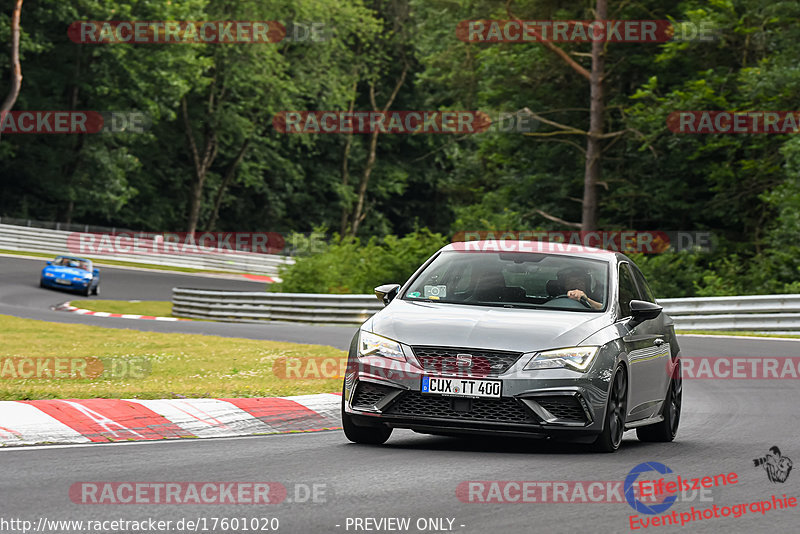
505 410
564 407
369 394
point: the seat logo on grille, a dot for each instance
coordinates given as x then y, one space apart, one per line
464 360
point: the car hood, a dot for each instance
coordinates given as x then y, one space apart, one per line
458 325
68 271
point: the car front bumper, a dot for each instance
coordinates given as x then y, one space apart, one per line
551 403
74 285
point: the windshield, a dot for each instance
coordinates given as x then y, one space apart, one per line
547 281
72 262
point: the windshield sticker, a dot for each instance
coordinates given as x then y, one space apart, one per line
413 294
435 292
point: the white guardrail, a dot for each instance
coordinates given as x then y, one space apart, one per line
29 239
259 306
757 313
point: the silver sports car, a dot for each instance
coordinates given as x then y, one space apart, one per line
519 338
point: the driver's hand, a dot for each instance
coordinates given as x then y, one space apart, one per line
576 294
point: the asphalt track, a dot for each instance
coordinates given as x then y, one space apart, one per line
21 296
725 425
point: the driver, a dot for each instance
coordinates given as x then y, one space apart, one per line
576 282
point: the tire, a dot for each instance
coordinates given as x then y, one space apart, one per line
41 284
666 430
88 291
96 290
610 438
367 435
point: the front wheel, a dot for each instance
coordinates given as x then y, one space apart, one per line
666 430
610 438
368 435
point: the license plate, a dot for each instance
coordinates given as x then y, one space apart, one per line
462 387
62 281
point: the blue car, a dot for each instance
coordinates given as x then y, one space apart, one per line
68 272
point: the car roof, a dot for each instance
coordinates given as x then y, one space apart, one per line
547 247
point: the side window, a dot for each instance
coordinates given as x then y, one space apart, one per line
627 290
644 289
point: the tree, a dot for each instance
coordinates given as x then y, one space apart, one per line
595 135
16 68
378 63
229 111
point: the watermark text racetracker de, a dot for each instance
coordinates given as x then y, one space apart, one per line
584 31
738 367
73 122
625 241
734 122
403 122
196 32
207 492
83 243
73 367
329 367
579 491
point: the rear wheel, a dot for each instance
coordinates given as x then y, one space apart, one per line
666 430
610 438
369 435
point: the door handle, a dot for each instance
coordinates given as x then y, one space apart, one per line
658 342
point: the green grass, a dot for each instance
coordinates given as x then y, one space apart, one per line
101 262
734 333
181 365
135 307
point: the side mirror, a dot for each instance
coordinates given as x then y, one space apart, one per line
643 311
387 292
96 271
49 263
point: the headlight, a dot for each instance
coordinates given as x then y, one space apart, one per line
49 275
576 357
369 344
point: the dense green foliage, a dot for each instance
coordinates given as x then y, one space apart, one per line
745 188
352 266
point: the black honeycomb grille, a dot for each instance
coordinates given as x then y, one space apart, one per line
369 394
563 407
505 410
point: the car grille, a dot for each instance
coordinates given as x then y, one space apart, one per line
563 407
506 410
482 363
369 394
